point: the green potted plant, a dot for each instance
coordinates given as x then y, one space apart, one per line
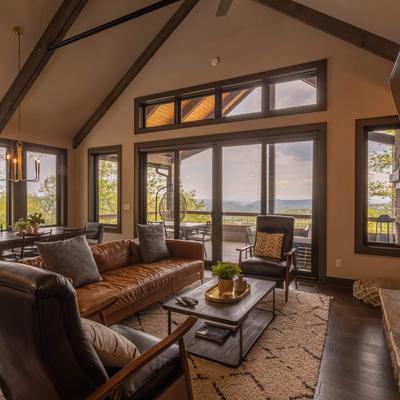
35 220
21 225
225 271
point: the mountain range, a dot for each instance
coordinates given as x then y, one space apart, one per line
281 205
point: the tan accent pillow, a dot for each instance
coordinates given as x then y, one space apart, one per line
269 245
113 349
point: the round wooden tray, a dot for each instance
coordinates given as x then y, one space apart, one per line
212 294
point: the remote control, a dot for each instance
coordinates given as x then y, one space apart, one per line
195 301
188 301
181 302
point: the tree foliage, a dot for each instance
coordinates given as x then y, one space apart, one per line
379 163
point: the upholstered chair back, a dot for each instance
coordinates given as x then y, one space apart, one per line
277 224
44 352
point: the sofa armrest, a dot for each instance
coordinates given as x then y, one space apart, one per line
185 249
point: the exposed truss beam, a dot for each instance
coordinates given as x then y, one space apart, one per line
135 69
111 24
39 57
359 37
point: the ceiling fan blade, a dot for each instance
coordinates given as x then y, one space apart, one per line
223 7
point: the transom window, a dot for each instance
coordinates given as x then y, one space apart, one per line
296 89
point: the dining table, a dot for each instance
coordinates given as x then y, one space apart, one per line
11 239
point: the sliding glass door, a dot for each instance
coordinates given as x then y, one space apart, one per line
213 193
241 196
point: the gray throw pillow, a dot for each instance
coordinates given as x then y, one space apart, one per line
152 243
71 258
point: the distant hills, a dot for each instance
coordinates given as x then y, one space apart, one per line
281 205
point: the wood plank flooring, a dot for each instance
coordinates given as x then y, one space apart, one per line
355 364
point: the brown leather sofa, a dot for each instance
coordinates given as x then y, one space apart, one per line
129 284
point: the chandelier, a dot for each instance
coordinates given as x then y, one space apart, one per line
15 166
15 157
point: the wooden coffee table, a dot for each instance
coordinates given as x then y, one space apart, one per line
245 320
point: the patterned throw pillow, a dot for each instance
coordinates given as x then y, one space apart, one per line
269 245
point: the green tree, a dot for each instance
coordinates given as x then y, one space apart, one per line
158 183
45 201
378 163
108 191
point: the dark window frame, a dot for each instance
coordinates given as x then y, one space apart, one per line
17 192
316 132
362 246
93 153
265 79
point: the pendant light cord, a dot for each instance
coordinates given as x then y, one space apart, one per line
19 70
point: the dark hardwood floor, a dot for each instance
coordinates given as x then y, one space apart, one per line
355 364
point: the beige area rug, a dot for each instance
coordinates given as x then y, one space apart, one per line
284 363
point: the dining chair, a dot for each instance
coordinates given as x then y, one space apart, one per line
27 249
70 233
169 233
94 233
203 235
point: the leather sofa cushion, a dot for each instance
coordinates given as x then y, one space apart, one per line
149 381
129 284
264 266
112 255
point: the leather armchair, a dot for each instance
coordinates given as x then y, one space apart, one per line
46 355
282 270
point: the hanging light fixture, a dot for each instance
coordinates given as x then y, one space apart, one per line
15 157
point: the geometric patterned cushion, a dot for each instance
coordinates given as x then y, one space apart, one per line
268 245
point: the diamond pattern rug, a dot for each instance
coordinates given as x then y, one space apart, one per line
283 364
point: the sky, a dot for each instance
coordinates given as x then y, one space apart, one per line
242 172
242 164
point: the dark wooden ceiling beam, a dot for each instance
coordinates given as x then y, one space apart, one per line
352 34
395 83
39 57
135 69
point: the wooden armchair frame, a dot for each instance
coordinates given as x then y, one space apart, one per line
112 389
291 265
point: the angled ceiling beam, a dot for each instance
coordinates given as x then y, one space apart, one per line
39 57
135 69
359 37
395 83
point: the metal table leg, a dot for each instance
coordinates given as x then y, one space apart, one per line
273 302
240 343
169 322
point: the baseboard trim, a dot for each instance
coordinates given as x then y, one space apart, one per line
334 281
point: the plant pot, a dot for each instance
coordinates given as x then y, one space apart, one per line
29 229
35 227
225 285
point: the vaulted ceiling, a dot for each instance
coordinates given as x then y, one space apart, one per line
79 76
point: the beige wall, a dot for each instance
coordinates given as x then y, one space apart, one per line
253 38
